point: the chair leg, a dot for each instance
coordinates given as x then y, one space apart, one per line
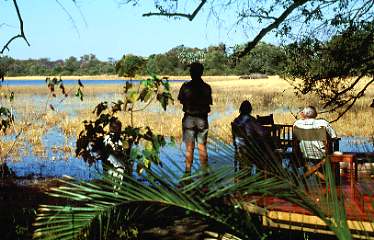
314 169
320 175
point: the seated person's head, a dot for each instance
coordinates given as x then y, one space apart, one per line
196 70
309 112
115 126
245 107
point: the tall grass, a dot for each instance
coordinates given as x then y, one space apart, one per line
272 95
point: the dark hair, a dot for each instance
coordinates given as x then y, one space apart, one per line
245 107
115 126
196 69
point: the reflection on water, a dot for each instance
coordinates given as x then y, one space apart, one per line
41 82
356 144
57 164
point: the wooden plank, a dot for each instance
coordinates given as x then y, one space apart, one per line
295 221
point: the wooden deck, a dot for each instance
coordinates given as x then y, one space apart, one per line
358 203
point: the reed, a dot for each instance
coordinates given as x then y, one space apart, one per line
272 95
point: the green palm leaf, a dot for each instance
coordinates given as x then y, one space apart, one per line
94 202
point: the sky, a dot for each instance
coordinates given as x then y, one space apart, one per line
106 29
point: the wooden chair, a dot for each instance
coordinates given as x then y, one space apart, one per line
251 150
267 120
284 132
311 151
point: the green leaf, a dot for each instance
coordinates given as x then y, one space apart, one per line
132 96
164 98
11 98
79 94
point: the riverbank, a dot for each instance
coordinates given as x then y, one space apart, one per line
115 77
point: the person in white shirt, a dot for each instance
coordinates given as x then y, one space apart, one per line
313 149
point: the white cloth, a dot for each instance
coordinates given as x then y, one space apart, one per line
118 170
314 149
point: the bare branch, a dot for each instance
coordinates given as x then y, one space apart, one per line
189 16
250 45
21 34
69 16
80 12
338 94
359 94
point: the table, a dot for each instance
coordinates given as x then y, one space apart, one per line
349 158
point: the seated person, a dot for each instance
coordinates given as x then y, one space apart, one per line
246 133
313 150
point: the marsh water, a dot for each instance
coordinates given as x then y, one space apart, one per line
56 163
40 82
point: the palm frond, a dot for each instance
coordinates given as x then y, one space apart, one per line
222 202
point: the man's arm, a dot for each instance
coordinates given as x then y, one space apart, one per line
331 131
181 94
210 96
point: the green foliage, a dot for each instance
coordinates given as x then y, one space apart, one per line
87 65
333 69
71 65
79 92
6 118
105 137
264 58
130 65
5 65
216 60
100 204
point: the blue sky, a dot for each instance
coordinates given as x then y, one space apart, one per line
111 30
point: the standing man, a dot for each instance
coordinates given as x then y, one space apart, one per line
196 97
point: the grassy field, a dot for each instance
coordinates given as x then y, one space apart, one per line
272 95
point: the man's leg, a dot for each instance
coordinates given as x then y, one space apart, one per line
189 156
203 156
202 138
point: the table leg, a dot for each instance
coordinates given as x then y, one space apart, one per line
351 174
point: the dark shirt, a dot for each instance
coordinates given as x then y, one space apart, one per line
196 97
249 138
249 127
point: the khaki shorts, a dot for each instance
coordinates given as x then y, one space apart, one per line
195 129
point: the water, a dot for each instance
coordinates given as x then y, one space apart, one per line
356 144
57 163
41 82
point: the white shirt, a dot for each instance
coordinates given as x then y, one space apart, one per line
314 149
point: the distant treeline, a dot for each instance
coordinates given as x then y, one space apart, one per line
218 60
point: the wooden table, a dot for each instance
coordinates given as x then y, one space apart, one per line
349 158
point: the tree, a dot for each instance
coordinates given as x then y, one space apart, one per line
334 69
130 65
71 65
295 21
5 65
216 60
264 58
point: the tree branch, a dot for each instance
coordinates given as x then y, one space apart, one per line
359 94
20 35
69 16
338 94
273 25
166 14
